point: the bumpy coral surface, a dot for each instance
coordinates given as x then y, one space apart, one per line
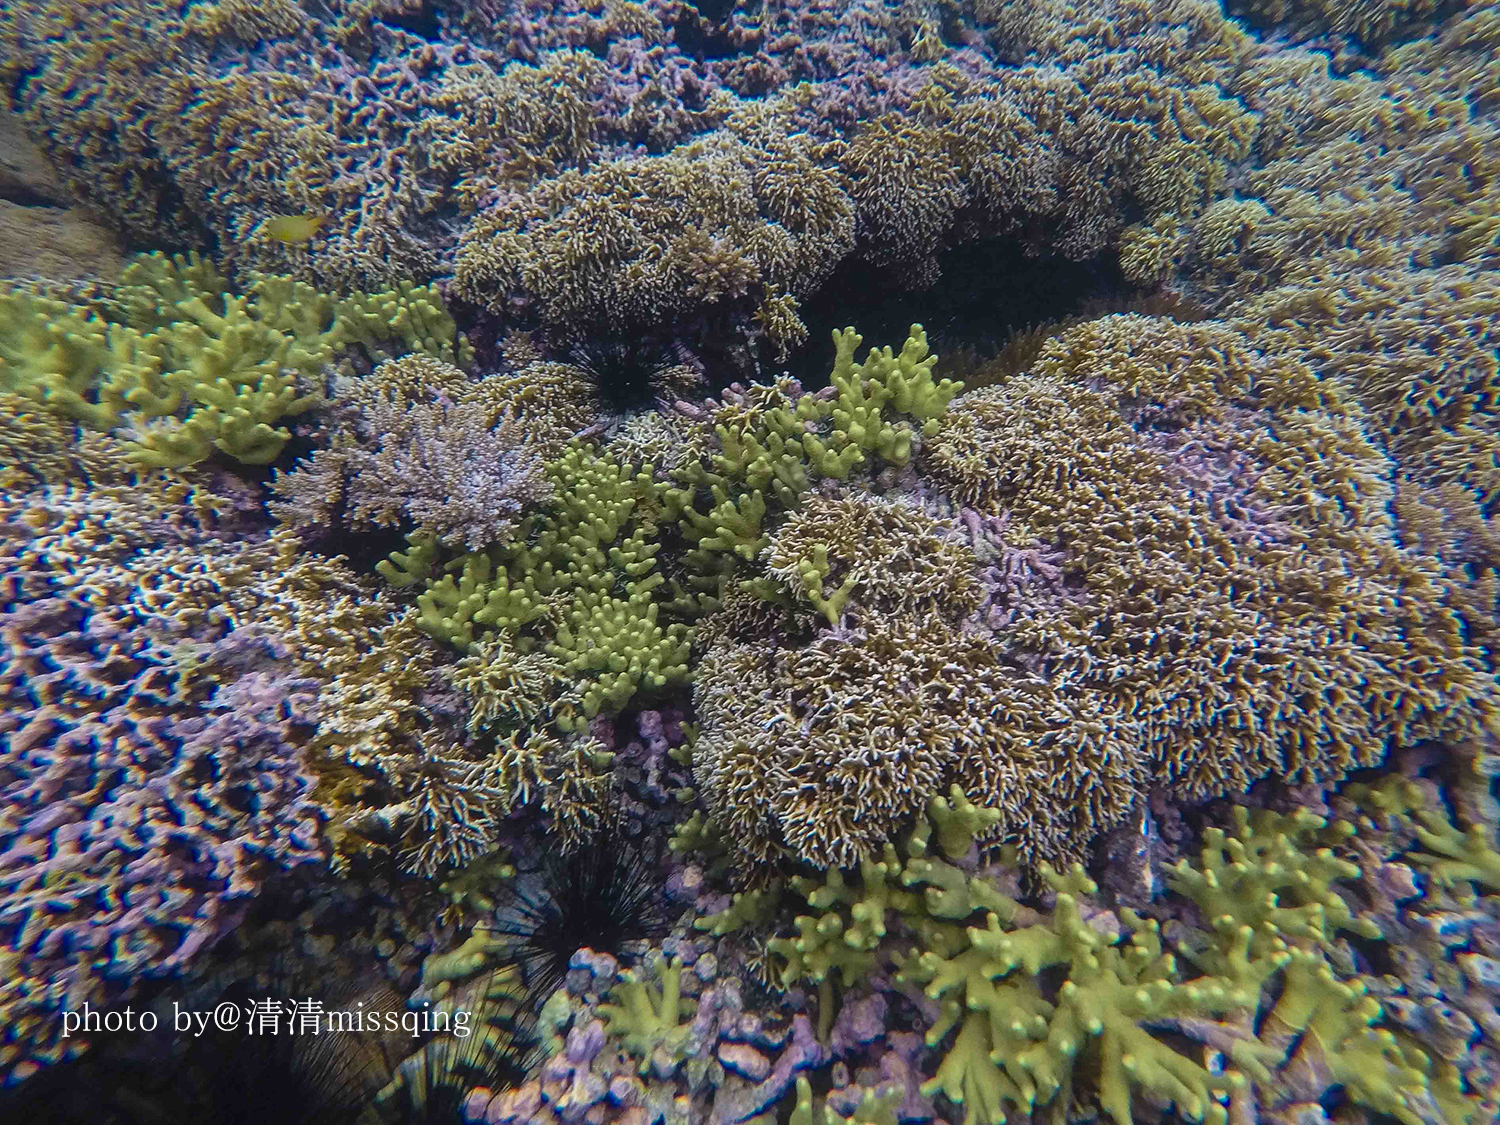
152 774
629 163
1160 556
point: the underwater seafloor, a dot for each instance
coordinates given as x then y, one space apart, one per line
484 640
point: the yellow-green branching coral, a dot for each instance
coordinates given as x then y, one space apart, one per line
651 1019
875 1107
579 581
187 368
1274 874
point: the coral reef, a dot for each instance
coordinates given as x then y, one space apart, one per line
625 164
153 774
1115 590
1265 985
1098 724
189 368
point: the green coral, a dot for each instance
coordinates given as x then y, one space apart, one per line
578 582
413 566
885 384
1261 987
1016 1047
651 1020
773 443
1263 875
874 1108
188 367
1451 857
412 317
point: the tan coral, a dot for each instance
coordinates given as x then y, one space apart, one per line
1241 593
877 556
606 245
817 752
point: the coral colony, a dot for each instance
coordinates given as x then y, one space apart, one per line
484 641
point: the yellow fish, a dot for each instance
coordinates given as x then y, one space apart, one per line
294 228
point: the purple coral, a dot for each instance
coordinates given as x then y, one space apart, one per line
149 781
467 481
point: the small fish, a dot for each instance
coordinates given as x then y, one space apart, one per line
293 229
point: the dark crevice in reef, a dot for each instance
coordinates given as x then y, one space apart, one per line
362 550
24 195
425 22
988 291
704 33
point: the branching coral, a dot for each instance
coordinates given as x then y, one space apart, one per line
1072 1004
271 110
1368 263
582 587
425 448
1175 559
188 368
1375 22
879 555
554 158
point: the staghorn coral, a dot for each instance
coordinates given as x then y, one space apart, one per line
771 442
465 483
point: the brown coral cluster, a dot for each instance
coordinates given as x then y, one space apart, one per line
1155 554
1241 588
654 239
591 167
